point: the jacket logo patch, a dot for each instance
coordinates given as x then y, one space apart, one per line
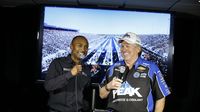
141 69
66 69
136 75
143 75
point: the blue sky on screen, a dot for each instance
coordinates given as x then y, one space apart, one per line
98 21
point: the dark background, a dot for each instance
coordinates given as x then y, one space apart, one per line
21 93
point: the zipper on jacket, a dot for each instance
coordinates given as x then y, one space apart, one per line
76 94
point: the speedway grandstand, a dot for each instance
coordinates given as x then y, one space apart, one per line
103 48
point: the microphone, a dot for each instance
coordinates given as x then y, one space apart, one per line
81 56
121 72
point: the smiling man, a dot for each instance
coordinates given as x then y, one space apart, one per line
68 80
141 88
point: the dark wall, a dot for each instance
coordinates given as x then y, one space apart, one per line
19 27
186 62
21 66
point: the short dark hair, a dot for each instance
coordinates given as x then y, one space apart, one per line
78 36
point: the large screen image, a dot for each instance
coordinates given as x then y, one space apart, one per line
103 28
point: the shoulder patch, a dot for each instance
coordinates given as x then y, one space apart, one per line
141 68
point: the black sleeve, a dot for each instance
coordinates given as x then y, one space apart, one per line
56 78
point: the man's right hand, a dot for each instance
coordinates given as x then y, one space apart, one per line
76 70
114 84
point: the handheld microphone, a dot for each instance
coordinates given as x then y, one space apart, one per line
81 56
121 72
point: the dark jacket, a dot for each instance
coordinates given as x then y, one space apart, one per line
67 93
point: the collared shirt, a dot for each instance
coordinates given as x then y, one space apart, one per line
144 84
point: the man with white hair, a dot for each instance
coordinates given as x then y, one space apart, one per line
139 86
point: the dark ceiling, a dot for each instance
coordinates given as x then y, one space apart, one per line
183 6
